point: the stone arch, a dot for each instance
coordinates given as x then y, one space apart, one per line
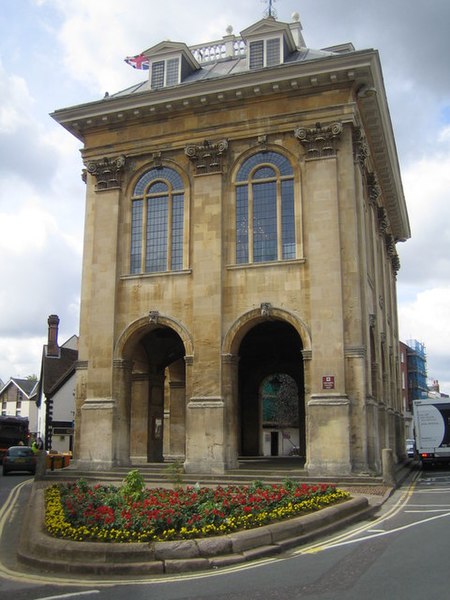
143 325
245 322
151 164
239 161
150 360
252 366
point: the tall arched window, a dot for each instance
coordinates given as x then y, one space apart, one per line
157 222
265 216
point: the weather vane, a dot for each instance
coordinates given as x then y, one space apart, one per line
270 11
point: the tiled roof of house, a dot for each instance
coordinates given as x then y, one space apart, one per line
56 369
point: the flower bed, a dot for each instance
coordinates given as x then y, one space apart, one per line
131 513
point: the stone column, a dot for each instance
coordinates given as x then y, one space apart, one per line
155 418
122 397
177 420
231 395
139 418
328 431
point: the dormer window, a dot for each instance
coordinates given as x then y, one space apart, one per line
269 43
165 73
170 63
265 53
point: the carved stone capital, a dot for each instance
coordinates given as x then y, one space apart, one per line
390 245
360 147
373 188
319 141
207 157
230 359
120 363
383 221
307 354
395 261
107 171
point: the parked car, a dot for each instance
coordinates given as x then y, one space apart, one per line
410 448
19 458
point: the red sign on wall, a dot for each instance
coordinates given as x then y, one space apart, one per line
328 382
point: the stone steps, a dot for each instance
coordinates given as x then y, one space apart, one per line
248 472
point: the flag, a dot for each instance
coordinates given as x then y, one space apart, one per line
138 62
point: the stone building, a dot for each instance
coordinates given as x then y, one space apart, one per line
239 282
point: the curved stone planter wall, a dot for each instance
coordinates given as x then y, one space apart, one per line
38 549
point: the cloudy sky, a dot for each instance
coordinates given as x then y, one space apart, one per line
59 53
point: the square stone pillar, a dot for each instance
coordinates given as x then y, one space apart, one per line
328 407
99 414
205 413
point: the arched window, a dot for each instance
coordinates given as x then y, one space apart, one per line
265 217
157 222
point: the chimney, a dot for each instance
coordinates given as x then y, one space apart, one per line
52 344
435 386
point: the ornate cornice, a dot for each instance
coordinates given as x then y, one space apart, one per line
319 141
107 171
207 157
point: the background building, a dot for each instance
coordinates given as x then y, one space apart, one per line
56 391
239 282
18 399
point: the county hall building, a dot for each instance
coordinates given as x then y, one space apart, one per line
243 206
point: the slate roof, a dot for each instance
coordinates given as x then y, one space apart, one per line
55 370
26 385
229 66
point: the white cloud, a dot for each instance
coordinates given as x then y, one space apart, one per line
19 357
427 319
16 101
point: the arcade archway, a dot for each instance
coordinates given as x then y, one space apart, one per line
271 391
157 408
